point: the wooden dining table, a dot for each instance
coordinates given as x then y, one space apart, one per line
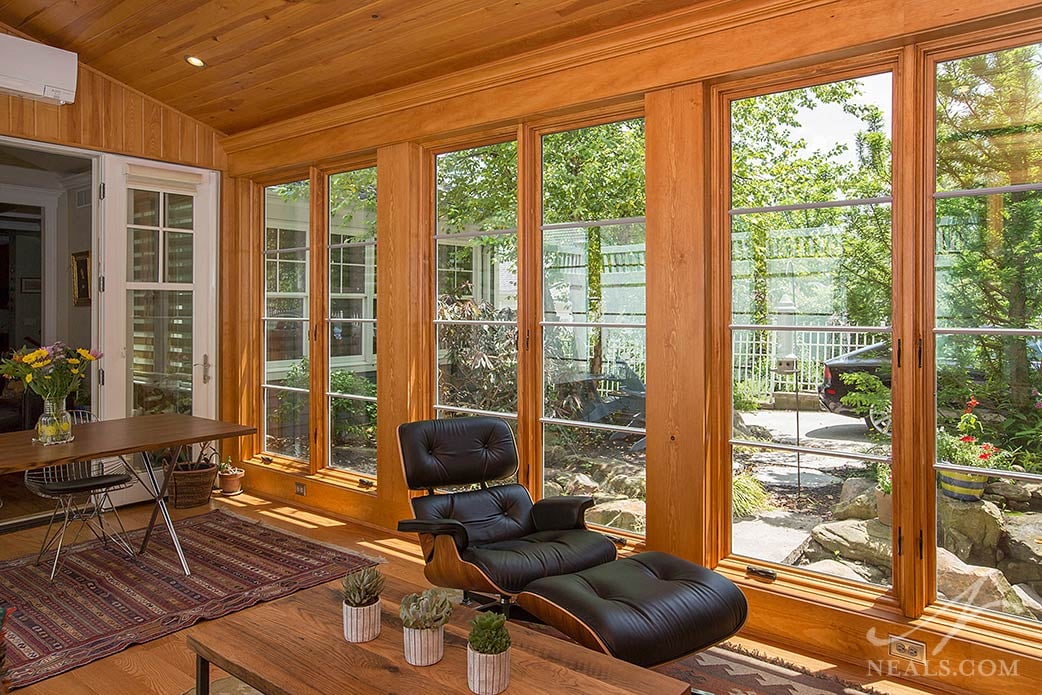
121 438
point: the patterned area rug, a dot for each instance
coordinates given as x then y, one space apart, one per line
101 601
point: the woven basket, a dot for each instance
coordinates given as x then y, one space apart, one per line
191 487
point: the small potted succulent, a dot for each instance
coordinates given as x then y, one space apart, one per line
884 489
488 654
362 604
423 617
230 477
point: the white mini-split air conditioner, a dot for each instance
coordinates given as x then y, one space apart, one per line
33 70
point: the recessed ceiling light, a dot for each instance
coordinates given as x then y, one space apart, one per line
197 62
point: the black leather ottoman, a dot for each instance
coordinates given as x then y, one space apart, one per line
646 609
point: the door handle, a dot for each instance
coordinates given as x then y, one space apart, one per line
205 364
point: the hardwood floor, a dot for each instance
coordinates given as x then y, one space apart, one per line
166 666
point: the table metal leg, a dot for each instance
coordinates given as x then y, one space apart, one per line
202 676
160 508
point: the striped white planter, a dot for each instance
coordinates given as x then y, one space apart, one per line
424 647
488 674
362 624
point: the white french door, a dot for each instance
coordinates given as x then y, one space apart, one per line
157 290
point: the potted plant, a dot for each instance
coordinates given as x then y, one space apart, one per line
191 482
424 616
488 654
230 477
884 489
968 450
362 604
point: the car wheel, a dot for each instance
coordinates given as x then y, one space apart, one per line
879 419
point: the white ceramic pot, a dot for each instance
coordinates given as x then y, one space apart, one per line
424 647
488 674
362 624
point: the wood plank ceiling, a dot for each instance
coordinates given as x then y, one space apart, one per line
268 60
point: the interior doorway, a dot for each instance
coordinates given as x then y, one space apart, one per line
47 214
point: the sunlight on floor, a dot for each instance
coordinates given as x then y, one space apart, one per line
395 547
301 518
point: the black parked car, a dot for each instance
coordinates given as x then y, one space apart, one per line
874 359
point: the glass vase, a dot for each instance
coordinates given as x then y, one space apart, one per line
55 425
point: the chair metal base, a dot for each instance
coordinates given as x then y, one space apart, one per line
90 512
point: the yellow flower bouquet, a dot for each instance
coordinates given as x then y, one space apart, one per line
53 372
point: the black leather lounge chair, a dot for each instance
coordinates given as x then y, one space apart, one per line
492 539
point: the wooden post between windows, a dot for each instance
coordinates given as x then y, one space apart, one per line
677 300
404 350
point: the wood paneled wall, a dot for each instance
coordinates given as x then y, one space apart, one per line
111 117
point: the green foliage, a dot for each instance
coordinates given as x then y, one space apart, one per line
488 633
363 587
968 451
868 392
745 397
425 611
748 495
354 421
884 477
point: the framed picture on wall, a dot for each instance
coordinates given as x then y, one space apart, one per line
81 278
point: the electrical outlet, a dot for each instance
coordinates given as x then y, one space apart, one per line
905 648
300 488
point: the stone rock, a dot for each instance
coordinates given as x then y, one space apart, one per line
857 500
984 587
1022 547
628 486
855 487
971 530
582 484
863 540
603 497
552 489
1030 598
628 515
834 568
788 476
1009 491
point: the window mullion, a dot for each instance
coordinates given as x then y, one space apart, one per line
318 305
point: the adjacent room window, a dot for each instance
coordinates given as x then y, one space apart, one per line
351 389
476 284
988 328
810 228
285 321
594 351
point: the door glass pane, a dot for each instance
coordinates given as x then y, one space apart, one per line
988 327
179 211
476 190
352 432
143 255
178 256
811 339
593 280
143 208
286 369
160 365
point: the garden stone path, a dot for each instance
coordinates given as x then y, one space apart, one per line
773 536
790 476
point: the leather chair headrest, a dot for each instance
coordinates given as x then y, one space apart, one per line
456 451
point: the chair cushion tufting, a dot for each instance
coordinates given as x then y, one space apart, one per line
457 451
513 563
647 609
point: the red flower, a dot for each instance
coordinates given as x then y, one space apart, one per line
985 456
971 404
968 438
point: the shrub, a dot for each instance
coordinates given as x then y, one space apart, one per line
748 495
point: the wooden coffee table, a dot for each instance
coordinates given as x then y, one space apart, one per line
295 646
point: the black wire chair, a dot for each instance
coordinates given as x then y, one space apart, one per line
81 491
